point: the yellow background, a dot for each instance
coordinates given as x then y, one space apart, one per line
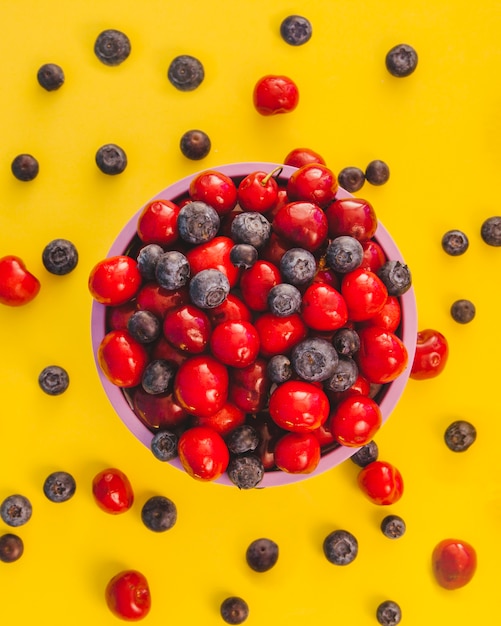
440 132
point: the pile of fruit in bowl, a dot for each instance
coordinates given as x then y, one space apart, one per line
254 324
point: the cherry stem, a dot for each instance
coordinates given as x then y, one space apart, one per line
276 171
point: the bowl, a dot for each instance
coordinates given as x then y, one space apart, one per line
389 395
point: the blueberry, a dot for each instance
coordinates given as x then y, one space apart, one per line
158 376
50 76
251 228
209 288
147 260
490 231
401 60
262 555
164 445
60 257
344 254
351 178
242 439
298 266
172 270
346 341
159 514
460 435
25 167
243 255
246 472
344 375
112 47
11 548
284 299
463 311
340 547
195 144
59 486
388 613
314 359
296 30
197 222
16 510
234 610
279 368
111 159
185 72
455 242
366 454
396 276
53 380
144 326
393 526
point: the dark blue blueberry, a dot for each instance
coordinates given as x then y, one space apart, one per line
251 228
344 254
242 439
59 486
195 144
455 242
60 257
147 260
53 380
298 266
144 326
314 359
16 510
159 514
401 60
185 72
234 610
112 47
262 555
460 435
50 76
158 376
344 375
111 159
463 311
340 547
172 270
346 341
11 548
279 368
246 472
490 231
377 172
25 167
164 445
296 30
243 255
389 613
396 276
351 178
209 288
366 454
284 299
197 222
393 526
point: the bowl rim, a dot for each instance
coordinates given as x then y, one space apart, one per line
116 396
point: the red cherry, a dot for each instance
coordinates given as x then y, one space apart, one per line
224 421
374 257
232 309
215 189
162 349
388 317
157 223
112 491
278 335
351 216
381 482
256 282
355 421
158 411
302 156
249 386
115 280
117 317
382 356
275 248
432 353
215 254
151 297
17 285
454 563
203 453
128 595
275 94
324 308
187 328
299 406
201 385
235 343
313 182
122 359
297 453
365 294
303 223
258 191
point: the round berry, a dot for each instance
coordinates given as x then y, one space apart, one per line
147 260
50 76
59 486
164 445
296 30
393 526
144 326
455 242
60 257
396 277
112 47
197 222
209 288
279 368
490 231
16 510
388 613
401 60
53 380
344 254
298 266
314 359
246 472
111 159
25 167
11 548
366 454
195 144
377 172
185 72
344 374
346 341
262 555
234 610
460 435
340 547
251 228
159 514
158 376
284 299
243 255
242 439
463 311
351 178
172 270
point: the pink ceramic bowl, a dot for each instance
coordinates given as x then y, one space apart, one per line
387 400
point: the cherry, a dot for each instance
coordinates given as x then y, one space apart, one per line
278 335
158 300
382 356
323 307
299 406
122 359
232 309
112 491
164 350
303 223
275 95
187 328
258 191
201 385
216 189
224 421
203 453
351 216
115 280
302 156
374 257
157 223
235 343
249 386
256 282
365 294
18 286
215 254
128 595
117 317
432 353
355 421
297 453
313 182
160 411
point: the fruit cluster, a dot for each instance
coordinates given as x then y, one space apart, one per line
253 323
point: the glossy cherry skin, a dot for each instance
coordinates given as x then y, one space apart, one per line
256 282
215 254
235 343
351 216
117 317
432 352
365 294
275 95
157 223
151 297
299 406
203 453
258 191
278 335
112 491
201 385
224 421
313 182
297 453
303 223
382 356
323 307
158 411
187 328
216 189
454 563
128 595
374 256
388 317
381 482
18 286
275 248
162 349
122 359
302 156
249 386
355 421
232 309
115 280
